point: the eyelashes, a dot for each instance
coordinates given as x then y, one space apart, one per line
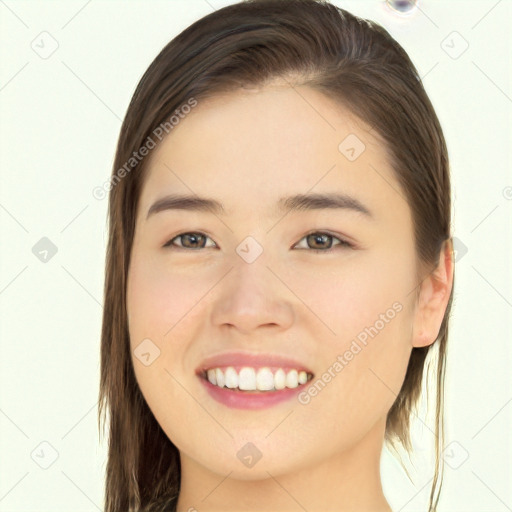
191 235
315 237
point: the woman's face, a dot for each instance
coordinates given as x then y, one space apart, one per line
245 284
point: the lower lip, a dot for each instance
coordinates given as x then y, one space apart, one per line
250 399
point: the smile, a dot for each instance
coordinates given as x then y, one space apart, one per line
253 388
245 380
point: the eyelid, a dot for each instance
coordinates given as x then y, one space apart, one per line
169 244
343 242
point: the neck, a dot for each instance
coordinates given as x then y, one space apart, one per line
346 481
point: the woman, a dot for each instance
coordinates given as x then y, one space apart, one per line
279 265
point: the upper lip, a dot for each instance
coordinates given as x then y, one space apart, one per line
253 360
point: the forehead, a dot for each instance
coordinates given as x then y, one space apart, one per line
251 147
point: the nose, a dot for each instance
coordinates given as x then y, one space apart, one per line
251 296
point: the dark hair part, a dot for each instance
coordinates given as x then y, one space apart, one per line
311 42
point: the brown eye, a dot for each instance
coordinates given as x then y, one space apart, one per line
190 240
319 241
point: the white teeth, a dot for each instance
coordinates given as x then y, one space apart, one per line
280 379
265 379
219 377
292 379
247 379
262 379
231 377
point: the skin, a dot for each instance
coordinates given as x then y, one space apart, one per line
247 149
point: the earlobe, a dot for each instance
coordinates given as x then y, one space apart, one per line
435 291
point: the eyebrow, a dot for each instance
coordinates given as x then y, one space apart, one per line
299 202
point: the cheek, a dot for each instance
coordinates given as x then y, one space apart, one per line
161 308
159 301
364 353
350 295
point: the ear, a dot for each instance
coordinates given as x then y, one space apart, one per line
434 295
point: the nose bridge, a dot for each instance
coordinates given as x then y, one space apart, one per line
252 295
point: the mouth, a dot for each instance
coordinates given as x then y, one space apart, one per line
248 379
252 381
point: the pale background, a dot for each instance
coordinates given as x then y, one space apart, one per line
61 115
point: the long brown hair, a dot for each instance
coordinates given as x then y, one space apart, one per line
310 42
